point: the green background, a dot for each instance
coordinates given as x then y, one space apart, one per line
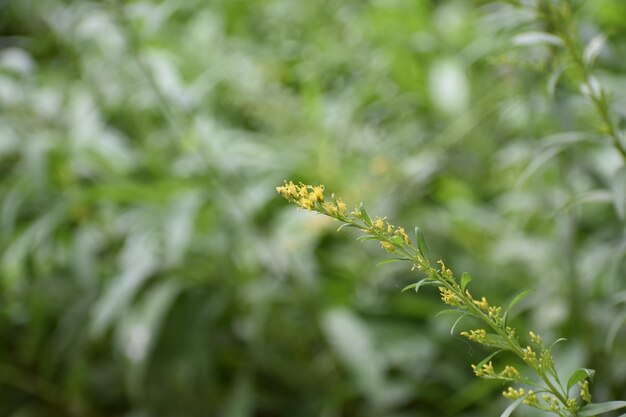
148 267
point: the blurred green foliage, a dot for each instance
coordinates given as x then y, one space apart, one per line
147 266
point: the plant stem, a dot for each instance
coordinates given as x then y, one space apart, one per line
564 25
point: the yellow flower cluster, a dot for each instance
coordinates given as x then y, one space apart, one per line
584 391
449 297
531 399
494 312
485 371
311 197
510 372
514 394
445 271
379 224
387 246
478 335
529 354
304 196
535 338
553 403
547 361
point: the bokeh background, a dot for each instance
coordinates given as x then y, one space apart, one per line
148 267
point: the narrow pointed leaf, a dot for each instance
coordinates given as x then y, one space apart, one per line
457 322
513 302
534 38
466 278
366 217
487 359
417 285
559 340
599 408
579 375
509 410
448 311
593 49
619 192
421 243
390 261
554 78
347 225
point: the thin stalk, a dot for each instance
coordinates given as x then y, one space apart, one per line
562 20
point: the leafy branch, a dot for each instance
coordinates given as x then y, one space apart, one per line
561 31
549 394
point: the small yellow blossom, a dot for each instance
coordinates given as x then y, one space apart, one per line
402 233
547 362
529 354
306 203
449 297
535 338
494 313
531 399
478 335
330 209
289 190
485 371
510 372
387 246
510 333
341 206
445 272
513 394
303 191
572 405
584 391
318 193
483 304
379 223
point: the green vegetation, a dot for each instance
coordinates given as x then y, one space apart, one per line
147 266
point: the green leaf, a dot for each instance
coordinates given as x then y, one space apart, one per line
417 285
593 49
366 217
559 340
497 341
488 358
599 408
347 225
398 241
535 38
554 78
449 311
579 375
615 327
466 278
457 322
421 243
514 301
365 238
618 186
390 261
509 410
